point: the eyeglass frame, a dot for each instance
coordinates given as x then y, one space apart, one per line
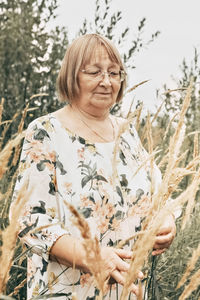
122 75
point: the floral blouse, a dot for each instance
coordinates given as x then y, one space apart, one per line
60 165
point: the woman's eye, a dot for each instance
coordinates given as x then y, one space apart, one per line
114 73
93 72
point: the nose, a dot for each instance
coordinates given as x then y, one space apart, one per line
105 81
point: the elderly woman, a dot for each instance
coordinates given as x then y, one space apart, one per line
68 156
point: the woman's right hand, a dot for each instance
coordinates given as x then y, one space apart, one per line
115 267
69 251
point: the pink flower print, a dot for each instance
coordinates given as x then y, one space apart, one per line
34 151
51 156
110 210
97 208
81 154
68 187
85 279
31 268
49 166
101 172
103 225
142 207
29 135
115 224
85 201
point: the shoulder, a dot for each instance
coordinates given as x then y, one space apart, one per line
41 122
41 128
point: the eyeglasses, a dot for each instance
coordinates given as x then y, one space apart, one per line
98 74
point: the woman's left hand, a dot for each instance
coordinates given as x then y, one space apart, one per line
165 235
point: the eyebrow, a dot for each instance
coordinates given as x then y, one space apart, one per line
98 65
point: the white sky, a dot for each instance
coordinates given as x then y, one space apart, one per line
178 21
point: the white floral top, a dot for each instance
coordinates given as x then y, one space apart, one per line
62 166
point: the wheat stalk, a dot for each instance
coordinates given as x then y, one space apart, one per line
92 250
9 236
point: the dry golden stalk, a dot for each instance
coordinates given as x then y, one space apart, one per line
136 85
196 145
21 124
193 285
7 196
168 126
139 111
141 250
74 296
121 130
157 112
159 211
1 108
17 288
191 201
9 236
92 250
174 90
174 148
122 243
145 162
140 294
193 164
20 128
6 152
150 150
129 110
3 134
38 95
190 266
184 197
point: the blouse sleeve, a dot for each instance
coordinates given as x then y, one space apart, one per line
40 222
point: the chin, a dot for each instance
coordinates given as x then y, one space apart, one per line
102 103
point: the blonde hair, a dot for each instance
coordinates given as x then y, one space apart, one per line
78 55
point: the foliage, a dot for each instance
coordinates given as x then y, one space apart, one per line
169 267
29 57
174 99
108 24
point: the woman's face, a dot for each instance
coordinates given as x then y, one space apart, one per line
98 95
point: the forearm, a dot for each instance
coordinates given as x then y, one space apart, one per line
69 251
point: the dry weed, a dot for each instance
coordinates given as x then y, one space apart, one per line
9 237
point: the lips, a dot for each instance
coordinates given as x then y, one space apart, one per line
103 93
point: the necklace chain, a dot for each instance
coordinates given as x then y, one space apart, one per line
94 131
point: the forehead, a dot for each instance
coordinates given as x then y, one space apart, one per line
100 55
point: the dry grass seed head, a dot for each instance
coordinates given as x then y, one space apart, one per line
190 266
193 285
1 108
92 249
9 236
7 151
191 200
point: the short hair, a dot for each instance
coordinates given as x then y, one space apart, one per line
77 56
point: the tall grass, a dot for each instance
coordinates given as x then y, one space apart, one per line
174 275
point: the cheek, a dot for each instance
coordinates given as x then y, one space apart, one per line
117 89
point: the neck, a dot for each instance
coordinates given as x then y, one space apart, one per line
91 115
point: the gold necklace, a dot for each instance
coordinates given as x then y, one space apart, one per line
94 131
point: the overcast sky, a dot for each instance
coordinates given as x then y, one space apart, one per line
178 21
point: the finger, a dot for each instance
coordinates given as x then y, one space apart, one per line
124 253
122 265
140 275
158 251
117 276
163 239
